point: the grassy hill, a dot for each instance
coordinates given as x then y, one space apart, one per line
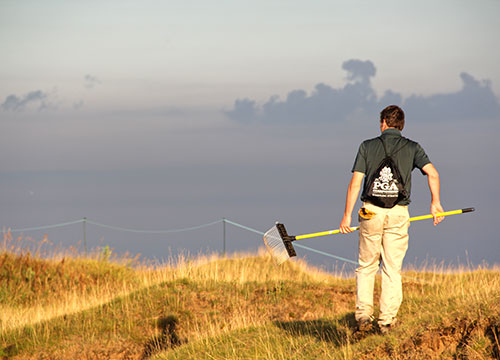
238 307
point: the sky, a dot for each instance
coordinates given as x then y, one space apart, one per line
170 114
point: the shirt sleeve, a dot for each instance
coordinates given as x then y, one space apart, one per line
360 161
421 158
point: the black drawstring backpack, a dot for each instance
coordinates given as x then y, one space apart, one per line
386 188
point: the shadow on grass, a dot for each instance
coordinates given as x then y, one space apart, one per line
336 331
168 338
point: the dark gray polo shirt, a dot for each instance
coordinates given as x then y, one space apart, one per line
371 153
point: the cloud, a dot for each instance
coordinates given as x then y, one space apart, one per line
37 98
358 99
474 101
91 81
359 70
324 104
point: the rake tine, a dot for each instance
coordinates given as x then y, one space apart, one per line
279 243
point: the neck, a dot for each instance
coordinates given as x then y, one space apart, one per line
384 127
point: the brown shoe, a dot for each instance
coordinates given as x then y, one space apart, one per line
386 328
364 325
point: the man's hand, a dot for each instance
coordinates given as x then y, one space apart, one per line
345 225
437 209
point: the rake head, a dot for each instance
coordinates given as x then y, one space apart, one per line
279 243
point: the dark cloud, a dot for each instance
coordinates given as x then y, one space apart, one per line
474 101
324 104
358 99
359 70
37 98
91 81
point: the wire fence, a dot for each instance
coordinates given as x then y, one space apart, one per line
224 221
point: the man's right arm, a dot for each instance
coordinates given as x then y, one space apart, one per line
352 196
434 187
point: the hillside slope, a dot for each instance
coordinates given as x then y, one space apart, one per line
239 307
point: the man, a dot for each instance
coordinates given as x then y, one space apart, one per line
383 232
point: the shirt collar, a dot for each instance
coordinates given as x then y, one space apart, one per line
391 132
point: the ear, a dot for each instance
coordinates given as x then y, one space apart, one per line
383 125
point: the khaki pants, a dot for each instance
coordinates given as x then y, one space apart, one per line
384 236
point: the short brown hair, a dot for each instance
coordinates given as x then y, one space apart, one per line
394 117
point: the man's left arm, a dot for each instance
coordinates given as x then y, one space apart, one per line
434 187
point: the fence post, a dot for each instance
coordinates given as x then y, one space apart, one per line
85 235
224 236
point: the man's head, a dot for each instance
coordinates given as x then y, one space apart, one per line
394 117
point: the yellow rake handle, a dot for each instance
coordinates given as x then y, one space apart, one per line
416 218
